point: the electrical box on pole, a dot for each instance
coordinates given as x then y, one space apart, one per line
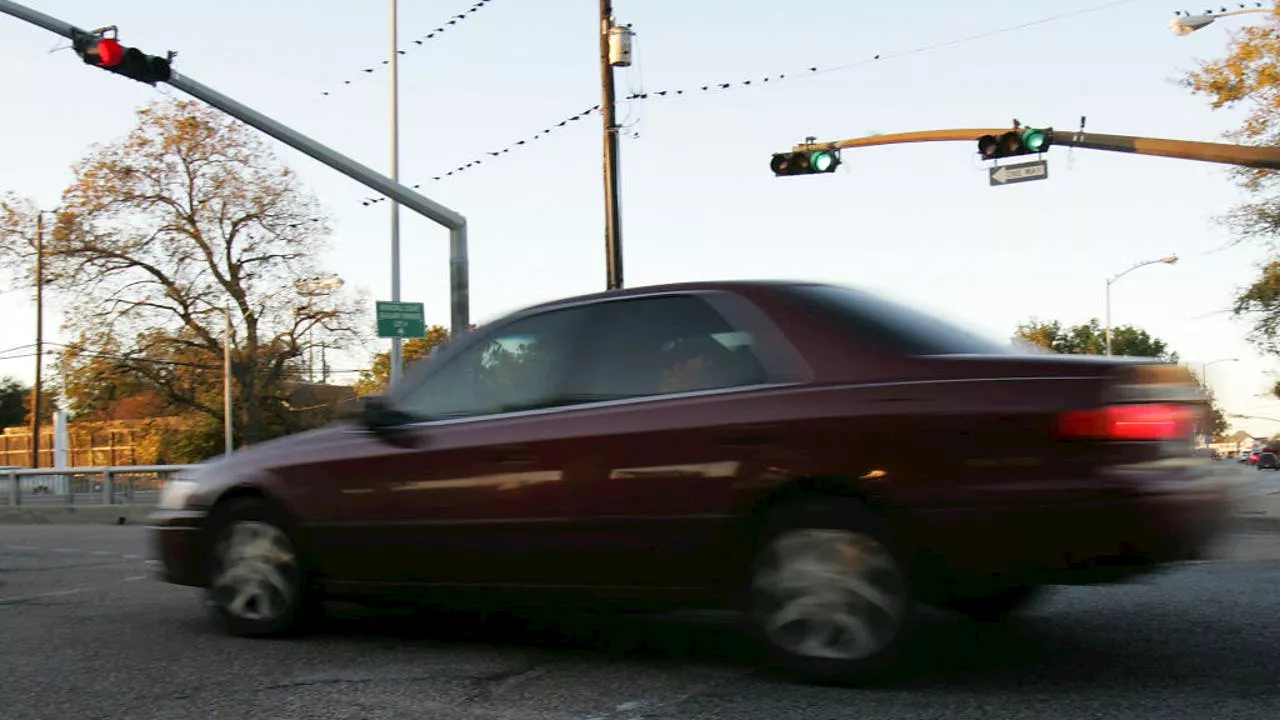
620 46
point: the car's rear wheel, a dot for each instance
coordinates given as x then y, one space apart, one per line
829 596
257 586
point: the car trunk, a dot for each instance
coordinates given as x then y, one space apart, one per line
1050 426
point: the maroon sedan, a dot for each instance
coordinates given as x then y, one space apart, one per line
812 455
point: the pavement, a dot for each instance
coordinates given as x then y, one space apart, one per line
88 634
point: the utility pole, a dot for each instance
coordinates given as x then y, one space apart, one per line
608 110
36 390
397 344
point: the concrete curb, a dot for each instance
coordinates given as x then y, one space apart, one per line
75 515
1258 523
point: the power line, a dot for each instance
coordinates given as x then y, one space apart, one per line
418 42
513 145
772 79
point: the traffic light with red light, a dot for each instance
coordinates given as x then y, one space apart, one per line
804 163
1020 141
108 54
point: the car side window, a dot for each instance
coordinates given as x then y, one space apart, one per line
661 345
517 367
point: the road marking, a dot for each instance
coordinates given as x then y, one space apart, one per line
65 550
131 557
24 547
101 552
134 578
37 596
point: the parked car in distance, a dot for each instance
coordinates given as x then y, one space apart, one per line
1267 460
742 445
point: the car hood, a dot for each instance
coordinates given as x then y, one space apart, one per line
309 445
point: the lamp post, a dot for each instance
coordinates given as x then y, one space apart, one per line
1184 25
310 288
397 346
1204 367
37 390
1169 260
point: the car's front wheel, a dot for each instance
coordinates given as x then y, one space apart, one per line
829 597
256 582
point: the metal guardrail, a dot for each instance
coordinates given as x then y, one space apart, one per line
108 485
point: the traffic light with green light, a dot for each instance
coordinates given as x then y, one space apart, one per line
1022 141
810 162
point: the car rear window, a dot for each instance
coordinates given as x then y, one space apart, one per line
893 326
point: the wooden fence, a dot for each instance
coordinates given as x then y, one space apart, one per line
91 445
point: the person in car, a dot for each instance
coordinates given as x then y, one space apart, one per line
693 363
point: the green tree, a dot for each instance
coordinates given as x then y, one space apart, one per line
14 398
375 379
1218 424
1248 77
160 231
1126 340
1091 339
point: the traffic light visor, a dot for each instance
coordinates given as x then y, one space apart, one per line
110 52
1010 144
1035 140
987 146
822 161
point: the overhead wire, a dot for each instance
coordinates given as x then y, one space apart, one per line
771 79
419 41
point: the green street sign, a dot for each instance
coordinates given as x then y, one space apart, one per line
401 319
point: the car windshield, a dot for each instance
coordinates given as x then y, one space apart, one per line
898 326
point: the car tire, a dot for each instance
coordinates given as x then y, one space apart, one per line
993 607
829 596
257 585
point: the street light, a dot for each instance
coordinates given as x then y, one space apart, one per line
1184 25
311 288
1169 260
1204 378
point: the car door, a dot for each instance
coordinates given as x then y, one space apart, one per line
474 486
671 452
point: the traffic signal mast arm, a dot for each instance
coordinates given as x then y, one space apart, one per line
150 69
1245 155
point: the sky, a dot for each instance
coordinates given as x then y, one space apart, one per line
916 222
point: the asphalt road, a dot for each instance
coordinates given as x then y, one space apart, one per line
86 633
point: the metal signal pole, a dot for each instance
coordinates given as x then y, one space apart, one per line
397 344
459 267
36 390
1245 155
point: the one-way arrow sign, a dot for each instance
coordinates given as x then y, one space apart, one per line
1023 172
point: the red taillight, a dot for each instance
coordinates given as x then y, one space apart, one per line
1128 422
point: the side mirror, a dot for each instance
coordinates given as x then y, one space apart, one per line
378 417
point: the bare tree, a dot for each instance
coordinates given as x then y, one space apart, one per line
162 232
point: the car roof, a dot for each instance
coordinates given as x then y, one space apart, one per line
745 286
